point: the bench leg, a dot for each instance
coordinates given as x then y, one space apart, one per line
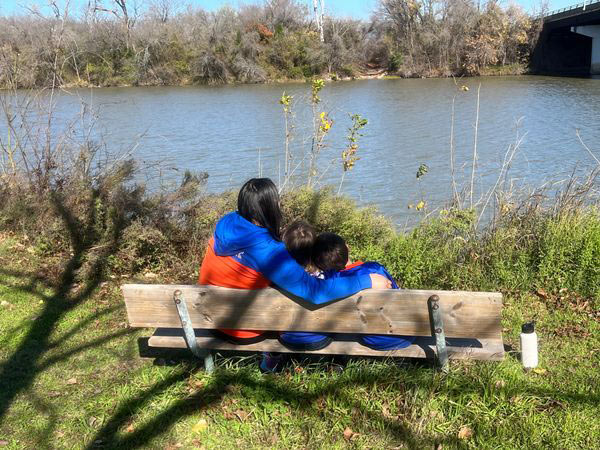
189 335
437 331
209 362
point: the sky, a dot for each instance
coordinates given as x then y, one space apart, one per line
359 9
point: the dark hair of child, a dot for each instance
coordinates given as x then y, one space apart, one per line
330 252
299 237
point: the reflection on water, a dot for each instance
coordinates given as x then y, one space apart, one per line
227 131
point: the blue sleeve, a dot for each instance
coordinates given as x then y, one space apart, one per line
279 267
365 269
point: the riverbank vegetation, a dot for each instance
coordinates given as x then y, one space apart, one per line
158 42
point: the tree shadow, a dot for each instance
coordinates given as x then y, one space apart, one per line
19 371
111 436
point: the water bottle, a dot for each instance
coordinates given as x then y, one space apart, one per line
529 346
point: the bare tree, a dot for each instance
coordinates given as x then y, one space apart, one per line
126 14
319 16
285 13
164 10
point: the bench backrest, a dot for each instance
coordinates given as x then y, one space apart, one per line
399 312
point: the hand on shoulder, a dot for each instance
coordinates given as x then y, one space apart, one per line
380 282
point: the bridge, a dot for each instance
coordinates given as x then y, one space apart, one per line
569 43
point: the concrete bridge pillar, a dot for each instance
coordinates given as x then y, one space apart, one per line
592 31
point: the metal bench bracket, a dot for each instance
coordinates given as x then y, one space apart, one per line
437 331
188 332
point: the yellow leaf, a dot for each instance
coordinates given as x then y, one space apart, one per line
420 205
539 371
200 426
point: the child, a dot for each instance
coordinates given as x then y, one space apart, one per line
299 238
330 254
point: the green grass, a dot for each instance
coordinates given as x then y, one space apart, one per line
504 70
72 377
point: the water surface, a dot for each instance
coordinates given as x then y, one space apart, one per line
236 132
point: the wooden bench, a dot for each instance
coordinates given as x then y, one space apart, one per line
449 324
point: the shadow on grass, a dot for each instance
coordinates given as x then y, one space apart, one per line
18 372
278 388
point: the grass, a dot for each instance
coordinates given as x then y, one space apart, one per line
504 70
72 377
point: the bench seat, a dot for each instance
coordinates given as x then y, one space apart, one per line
344 344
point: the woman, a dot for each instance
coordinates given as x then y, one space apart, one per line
246 252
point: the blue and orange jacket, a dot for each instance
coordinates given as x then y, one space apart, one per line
242 255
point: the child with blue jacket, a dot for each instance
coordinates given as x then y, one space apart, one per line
330 254
299 239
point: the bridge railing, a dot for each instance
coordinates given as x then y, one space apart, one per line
569 8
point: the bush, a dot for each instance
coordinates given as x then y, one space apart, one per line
531 249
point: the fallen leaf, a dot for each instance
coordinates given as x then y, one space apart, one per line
542 293
150 275
200 426
348 433
4 303
72 380
60 434
465 433
539 371
92 421
53 394
500 384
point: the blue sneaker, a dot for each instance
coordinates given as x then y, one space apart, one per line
269 362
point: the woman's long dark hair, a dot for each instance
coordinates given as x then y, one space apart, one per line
258 201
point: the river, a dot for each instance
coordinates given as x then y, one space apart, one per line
237 132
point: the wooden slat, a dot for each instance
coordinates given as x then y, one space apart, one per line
482 349
400 312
